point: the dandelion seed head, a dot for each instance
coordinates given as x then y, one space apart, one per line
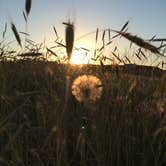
48 71
87 88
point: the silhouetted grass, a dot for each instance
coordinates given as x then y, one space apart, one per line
43 124
124 127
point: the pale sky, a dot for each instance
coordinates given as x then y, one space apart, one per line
147 17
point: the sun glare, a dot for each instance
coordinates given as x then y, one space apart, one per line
79 58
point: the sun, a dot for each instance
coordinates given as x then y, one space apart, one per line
79 57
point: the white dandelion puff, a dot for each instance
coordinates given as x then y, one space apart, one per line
87 88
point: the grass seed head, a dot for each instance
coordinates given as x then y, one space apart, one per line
69 38
28 6
140 42
87 88
16 34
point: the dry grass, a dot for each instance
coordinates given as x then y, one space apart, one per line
28 7
58 114
122 127
140 42
16 34
69 38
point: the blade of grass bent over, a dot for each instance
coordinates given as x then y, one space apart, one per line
16 34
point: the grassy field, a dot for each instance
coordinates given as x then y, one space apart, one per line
42 124
59 114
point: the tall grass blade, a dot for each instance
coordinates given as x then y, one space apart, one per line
163 45
16 34
109 34
60 44
97 32
4 32
30 54
25 17
53 53
108 43
117 57
143 54
85 49
31 42
55 32
158 40
103 38
24 33
152 38
115 48
124 26
28 6
127 59
137 55
101 48
115 36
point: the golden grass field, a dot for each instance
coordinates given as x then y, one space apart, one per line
55 113
125 126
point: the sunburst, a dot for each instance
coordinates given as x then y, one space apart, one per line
79 57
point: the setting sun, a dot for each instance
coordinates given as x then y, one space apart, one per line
79 57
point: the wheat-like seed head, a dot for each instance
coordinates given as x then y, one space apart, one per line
69 38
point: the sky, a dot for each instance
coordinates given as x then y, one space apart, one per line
147 17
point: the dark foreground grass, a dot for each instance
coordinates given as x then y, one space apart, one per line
37 128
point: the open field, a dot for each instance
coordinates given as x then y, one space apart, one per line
42 124
56 113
